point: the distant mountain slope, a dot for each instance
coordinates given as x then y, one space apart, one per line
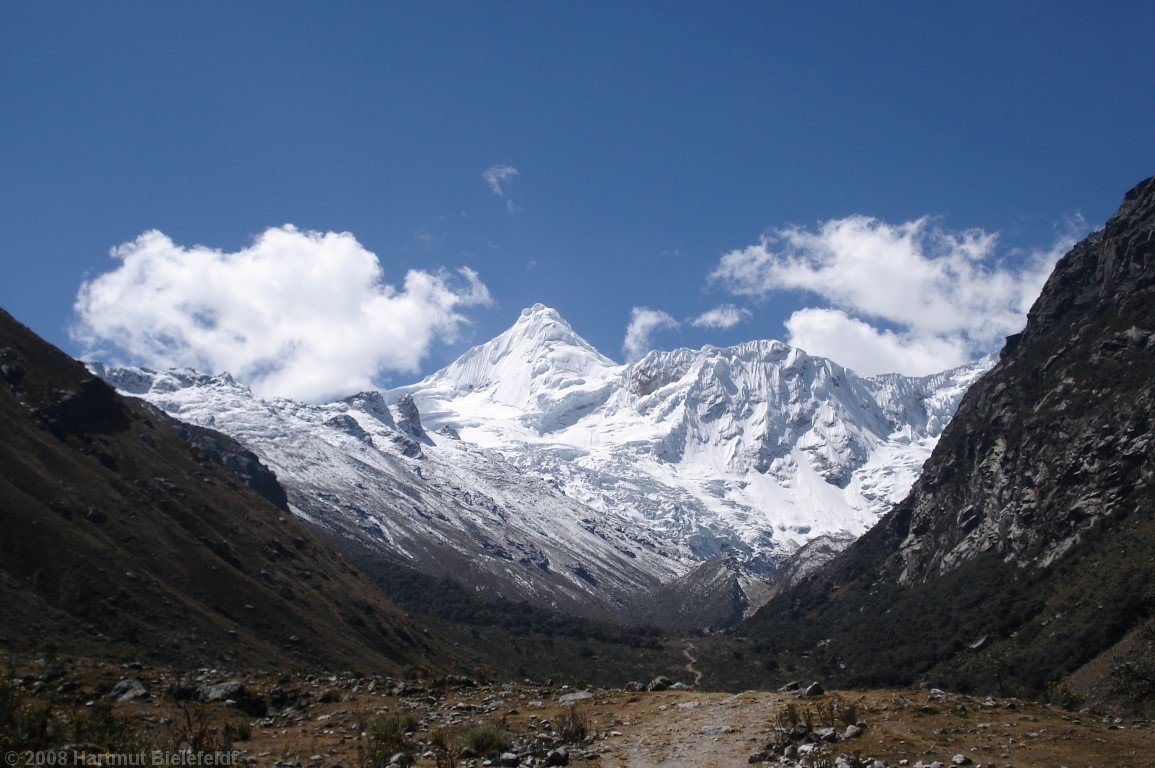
535 468
373 480
1027 547
120 539
751 450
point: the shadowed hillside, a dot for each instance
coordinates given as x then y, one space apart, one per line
122 540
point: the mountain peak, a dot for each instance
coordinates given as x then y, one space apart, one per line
540 326
539 355
541 309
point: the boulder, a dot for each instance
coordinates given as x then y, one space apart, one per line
659 683
234 694
127 690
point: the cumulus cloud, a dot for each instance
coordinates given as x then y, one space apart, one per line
499 178
868 350
298 314
912 297
725 316
644 323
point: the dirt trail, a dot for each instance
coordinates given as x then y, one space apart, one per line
709 730
691 660
700 731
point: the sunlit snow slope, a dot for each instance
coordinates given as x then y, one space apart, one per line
534 467
751 450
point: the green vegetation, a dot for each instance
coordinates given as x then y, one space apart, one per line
487 739
385 737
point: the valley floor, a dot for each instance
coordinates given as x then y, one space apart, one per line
325 721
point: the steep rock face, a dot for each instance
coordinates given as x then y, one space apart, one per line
1023 550
1058 437
121 539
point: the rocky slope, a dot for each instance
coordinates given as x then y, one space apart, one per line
119 539
1023 552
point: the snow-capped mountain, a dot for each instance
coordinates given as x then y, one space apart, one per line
537 468
752 450
378 484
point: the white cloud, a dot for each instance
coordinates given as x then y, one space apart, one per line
297 314
725 316
644 323
868 350
499 178
912 297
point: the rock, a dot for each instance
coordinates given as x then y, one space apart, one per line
127 690
409 418
468 753
716 730
234 694
409 447
350 426
961 760
557 757
570 698
634 686
680 687
979 644
793 685
660 683
852 732
230 689
814 689
509 759
826 734
758 757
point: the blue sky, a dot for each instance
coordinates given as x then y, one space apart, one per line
651 143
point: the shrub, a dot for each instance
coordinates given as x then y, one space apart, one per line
487 739
385 737
572 726
1060 692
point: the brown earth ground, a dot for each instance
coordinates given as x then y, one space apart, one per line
326 720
